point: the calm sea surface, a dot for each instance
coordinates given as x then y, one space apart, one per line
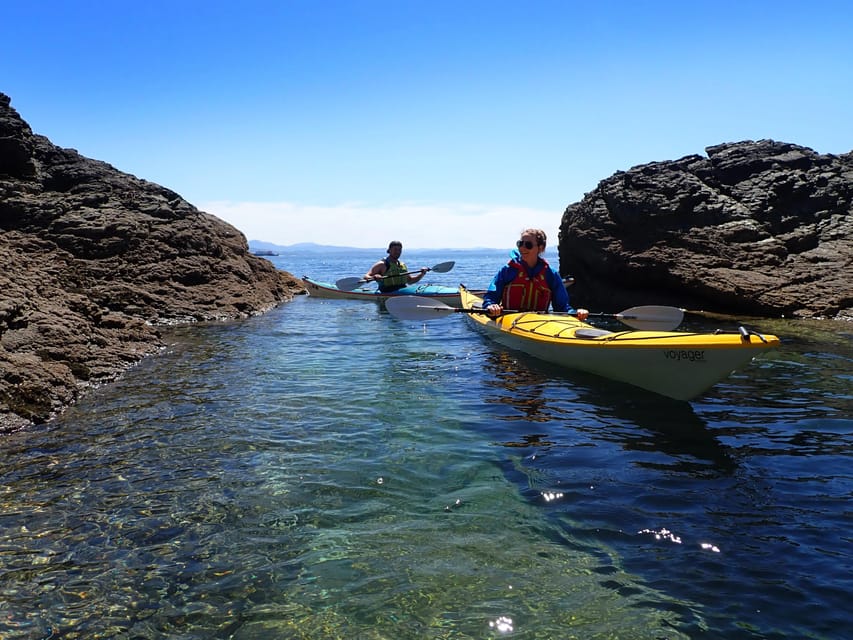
327 471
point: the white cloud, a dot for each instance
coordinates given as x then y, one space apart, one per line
356 224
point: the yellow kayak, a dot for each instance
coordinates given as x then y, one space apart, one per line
675 364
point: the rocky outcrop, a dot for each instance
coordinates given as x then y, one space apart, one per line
93 261
757 228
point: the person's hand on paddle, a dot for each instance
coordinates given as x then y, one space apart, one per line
495 310
582 314
416 276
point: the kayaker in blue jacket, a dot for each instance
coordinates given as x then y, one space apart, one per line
527 282
390 273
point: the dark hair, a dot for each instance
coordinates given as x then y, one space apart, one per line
395 243
540 236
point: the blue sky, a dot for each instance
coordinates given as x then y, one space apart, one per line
442 123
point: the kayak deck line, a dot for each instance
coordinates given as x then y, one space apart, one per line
602 335
582 331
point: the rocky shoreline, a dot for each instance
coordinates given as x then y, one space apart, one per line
93 262
759 228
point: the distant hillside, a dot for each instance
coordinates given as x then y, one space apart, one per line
306 247
256 246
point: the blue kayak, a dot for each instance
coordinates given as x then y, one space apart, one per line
447 295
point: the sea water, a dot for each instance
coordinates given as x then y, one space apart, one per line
328 471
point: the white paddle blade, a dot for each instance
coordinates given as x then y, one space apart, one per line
444 267
652 317
417 308
348 284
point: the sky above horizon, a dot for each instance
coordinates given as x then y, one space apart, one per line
441 123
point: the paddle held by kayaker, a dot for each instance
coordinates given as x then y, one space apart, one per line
527 282
390 273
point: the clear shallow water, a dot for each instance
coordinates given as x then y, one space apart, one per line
325 471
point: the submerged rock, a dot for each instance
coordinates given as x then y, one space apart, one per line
92 261
759 228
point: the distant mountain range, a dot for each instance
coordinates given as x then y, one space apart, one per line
259 247
256 246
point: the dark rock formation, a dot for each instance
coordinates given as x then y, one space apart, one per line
756 228
92 260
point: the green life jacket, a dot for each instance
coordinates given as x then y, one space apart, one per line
393 279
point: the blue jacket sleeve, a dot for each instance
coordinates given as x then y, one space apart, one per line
494 294
559 295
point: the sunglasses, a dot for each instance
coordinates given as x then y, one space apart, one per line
524 243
